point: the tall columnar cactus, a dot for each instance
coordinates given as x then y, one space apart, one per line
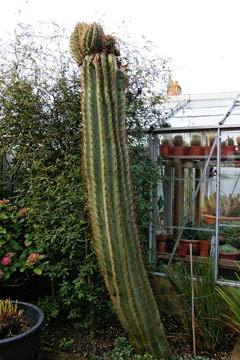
110 196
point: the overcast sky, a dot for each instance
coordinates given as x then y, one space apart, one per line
201 37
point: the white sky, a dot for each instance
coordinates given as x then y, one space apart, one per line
200 36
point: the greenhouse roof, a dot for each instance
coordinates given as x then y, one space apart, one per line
185 110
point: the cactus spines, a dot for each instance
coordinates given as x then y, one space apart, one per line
178 140
196 140
211 139
110 197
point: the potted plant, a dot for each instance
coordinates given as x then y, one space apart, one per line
228 252
231 235
189 237
238 142
19 259
21 324
207 148
229 208
178 146
227 146
162 237
165 147
195 145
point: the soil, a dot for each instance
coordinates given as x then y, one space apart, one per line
13 327
78 341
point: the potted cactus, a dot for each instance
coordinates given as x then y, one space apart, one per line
110 198
195 145
227 146
178 148
229 208
162 239
207 148
165 147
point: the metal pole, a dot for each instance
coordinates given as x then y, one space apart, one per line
215 248
192 203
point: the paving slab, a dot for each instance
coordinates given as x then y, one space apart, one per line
236 350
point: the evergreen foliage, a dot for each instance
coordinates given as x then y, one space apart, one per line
41 152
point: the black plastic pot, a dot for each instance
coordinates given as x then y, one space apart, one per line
26 345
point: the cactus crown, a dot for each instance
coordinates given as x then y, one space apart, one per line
211 138
230 140
178 140
89 40
196 140
165 141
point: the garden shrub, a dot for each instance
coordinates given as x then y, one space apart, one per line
19 257
40 144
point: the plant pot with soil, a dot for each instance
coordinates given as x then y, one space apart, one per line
21 325
163 237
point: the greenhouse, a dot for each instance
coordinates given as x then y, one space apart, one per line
197 200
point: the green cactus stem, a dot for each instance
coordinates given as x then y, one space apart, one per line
107 169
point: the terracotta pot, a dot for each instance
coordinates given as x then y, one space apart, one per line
227 150
184 243
228 256
182 251
207 149
165 150
163 237
204 247
178 150
195 150
162 242
162 246
211 219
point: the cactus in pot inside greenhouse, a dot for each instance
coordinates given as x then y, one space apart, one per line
196 140
110 197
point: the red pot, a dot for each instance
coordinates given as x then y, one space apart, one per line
178 150
207 149
204 247
184 243
228 256
195 150
165 150
182 251
227 150
162 246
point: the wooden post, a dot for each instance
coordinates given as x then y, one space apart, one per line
193 318
177 196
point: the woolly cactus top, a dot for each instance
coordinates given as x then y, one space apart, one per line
89 39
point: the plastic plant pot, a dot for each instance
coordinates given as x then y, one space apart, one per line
26 345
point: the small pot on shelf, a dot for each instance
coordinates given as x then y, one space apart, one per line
204 248
185 244
163 237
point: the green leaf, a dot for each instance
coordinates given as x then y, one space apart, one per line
38 271
6 275
27 243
